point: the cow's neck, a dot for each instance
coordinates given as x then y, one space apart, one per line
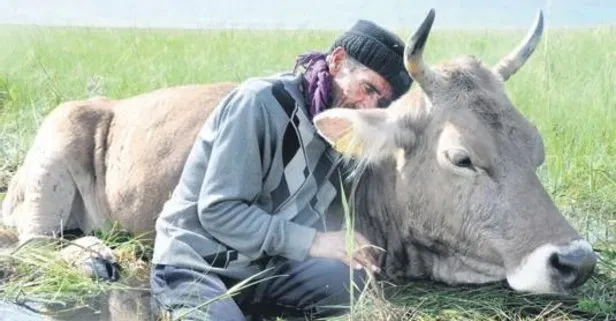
375 205
377 217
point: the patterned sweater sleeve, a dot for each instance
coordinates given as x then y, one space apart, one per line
234 178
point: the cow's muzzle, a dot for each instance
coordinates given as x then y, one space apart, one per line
554 268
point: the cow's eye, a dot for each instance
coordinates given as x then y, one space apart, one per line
461 159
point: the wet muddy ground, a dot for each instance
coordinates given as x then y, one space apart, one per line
117 305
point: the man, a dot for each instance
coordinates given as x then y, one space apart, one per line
260 191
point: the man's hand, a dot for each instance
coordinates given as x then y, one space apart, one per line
334 245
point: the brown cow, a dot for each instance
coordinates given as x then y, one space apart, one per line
446 177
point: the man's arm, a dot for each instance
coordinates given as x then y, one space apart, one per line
234 179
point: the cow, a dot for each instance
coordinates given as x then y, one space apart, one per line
444 179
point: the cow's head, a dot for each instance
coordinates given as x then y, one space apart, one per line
459 161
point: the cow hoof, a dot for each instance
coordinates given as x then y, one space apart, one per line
92 258
102 269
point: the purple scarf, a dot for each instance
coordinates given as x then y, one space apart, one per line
317 81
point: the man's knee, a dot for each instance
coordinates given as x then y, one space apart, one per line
337 275
320 281
330 284
191 294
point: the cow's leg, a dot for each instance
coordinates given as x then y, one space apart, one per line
39 199
52 204
89 253
48 193
45 201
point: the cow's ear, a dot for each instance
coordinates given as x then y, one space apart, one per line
369 134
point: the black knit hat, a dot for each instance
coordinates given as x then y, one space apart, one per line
379 50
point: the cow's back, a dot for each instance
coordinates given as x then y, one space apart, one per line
149 140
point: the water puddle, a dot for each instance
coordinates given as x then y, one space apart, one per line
117 305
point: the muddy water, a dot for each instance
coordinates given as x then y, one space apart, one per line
117 305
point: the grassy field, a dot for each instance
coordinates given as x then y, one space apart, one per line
566 89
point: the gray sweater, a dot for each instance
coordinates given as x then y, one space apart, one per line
257 183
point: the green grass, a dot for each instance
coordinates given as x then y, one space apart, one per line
566 89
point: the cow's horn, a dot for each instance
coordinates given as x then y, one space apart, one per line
512 62
421 73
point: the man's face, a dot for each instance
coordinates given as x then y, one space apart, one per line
356 86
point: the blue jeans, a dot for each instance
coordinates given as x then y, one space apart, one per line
291 289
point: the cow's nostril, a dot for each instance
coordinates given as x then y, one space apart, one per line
565 268
573 267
